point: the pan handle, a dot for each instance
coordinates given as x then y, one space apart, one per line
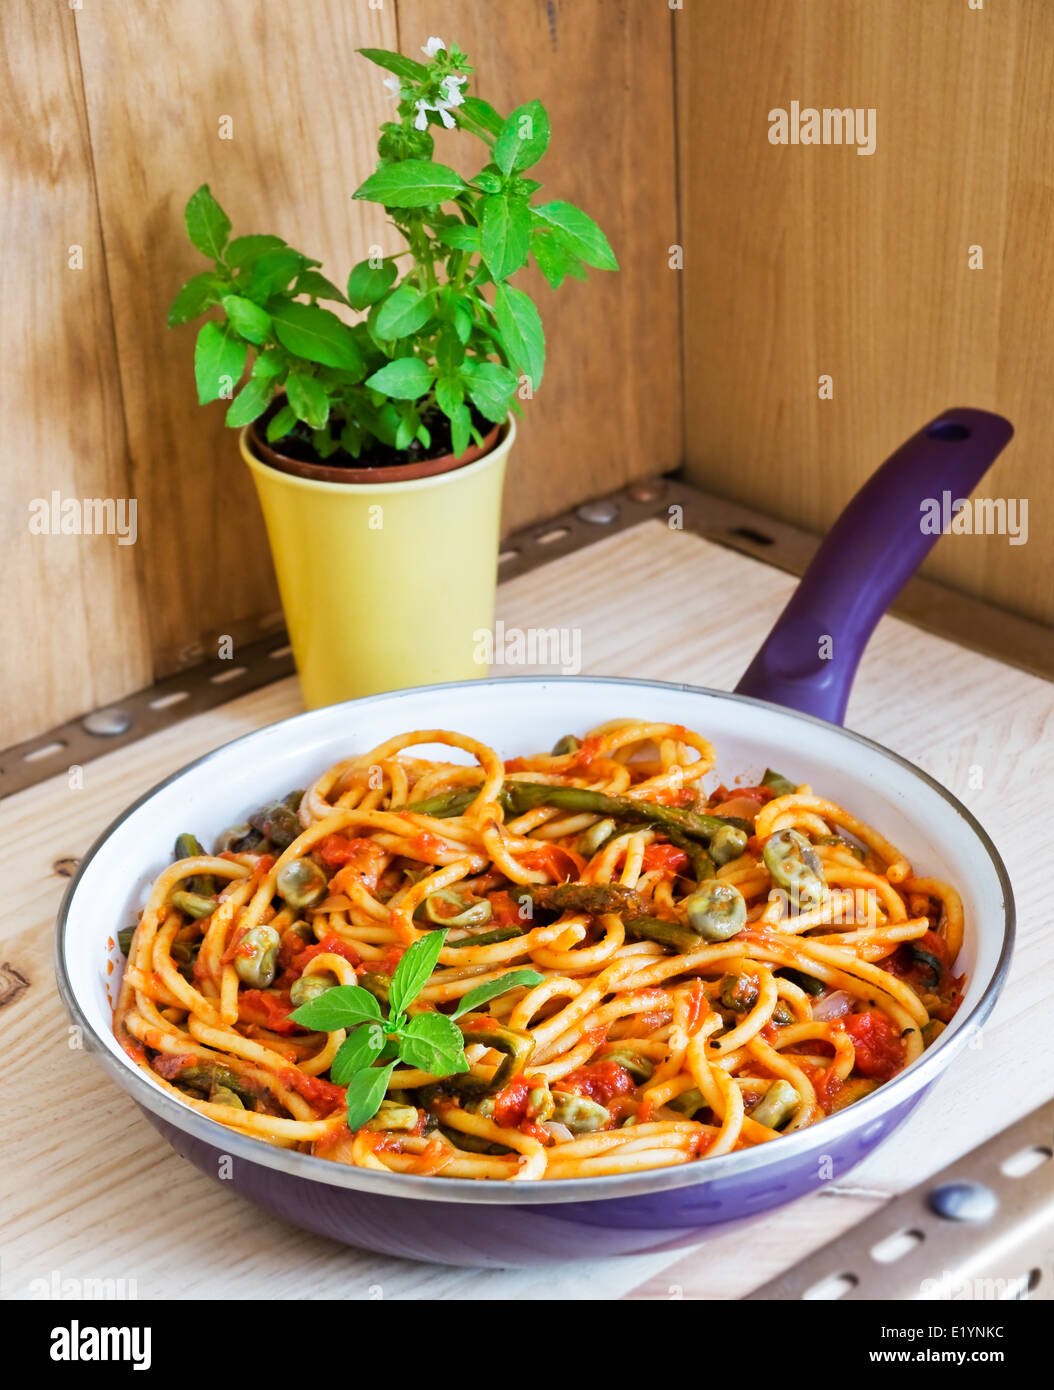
810 657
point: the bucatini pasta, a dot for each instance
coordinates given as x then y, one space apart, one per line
619 969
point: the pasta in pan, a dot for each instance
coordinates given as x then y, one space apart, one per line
568 965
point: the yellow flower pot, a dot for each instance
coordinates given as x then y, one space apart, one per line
384 585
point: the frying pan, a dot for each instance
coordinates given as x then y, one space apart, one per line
786 712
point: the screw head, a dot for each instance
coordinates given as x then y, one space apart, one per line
964 1201
601 513
107 723
647 491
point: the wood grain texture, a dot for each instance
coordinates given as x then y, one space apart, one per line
304 109
72 630
812 259
609 409
86 1195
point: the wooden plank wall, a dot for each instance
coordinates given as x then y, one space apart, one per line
73 633
797 262
111 115
807 260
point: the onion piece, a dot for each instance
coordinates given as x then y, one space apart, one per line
832 1005
560 1132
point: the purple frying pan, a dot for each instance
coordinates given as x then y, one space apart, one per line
786 712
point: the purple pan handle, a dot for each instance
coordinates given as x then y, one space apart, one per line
810 657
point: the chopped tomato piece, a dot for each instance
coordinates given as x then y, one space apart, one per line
267 1009
559 863
324 1095
510 1104
666 857
879 1048
506 913
365 857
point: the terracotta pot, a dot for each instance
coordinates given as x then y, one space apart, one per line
388 473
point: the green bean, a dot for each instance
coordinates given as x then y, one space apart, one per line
301 883
688 1102
857 851
393 1116
777 1105
809 983
515 1046
470 914
223 1095
309 987
278 823
189 847
716 910
671 934
239 839
638 1066
738 992
728 844
256 956
795 867
596 837
485 938
185 953
471 1143
378 984
124 940
193 904
565 745
580 1114
851 1091
540 1103
777 783
208 1077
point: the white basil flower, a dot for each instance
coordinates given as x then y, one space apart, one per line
432 47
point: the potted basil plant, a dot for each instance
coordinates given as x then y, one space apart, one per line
377 429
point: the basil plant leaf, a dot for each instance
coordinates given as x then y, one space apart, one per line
434 1043
484 993
365 1092
343 1006
413 971
358 1051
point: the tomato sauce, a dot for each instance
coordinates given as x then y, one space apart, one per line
601 1081
357 858
879 1047
323 1095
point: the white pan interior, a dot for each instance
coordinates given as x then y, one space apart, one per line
519 716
